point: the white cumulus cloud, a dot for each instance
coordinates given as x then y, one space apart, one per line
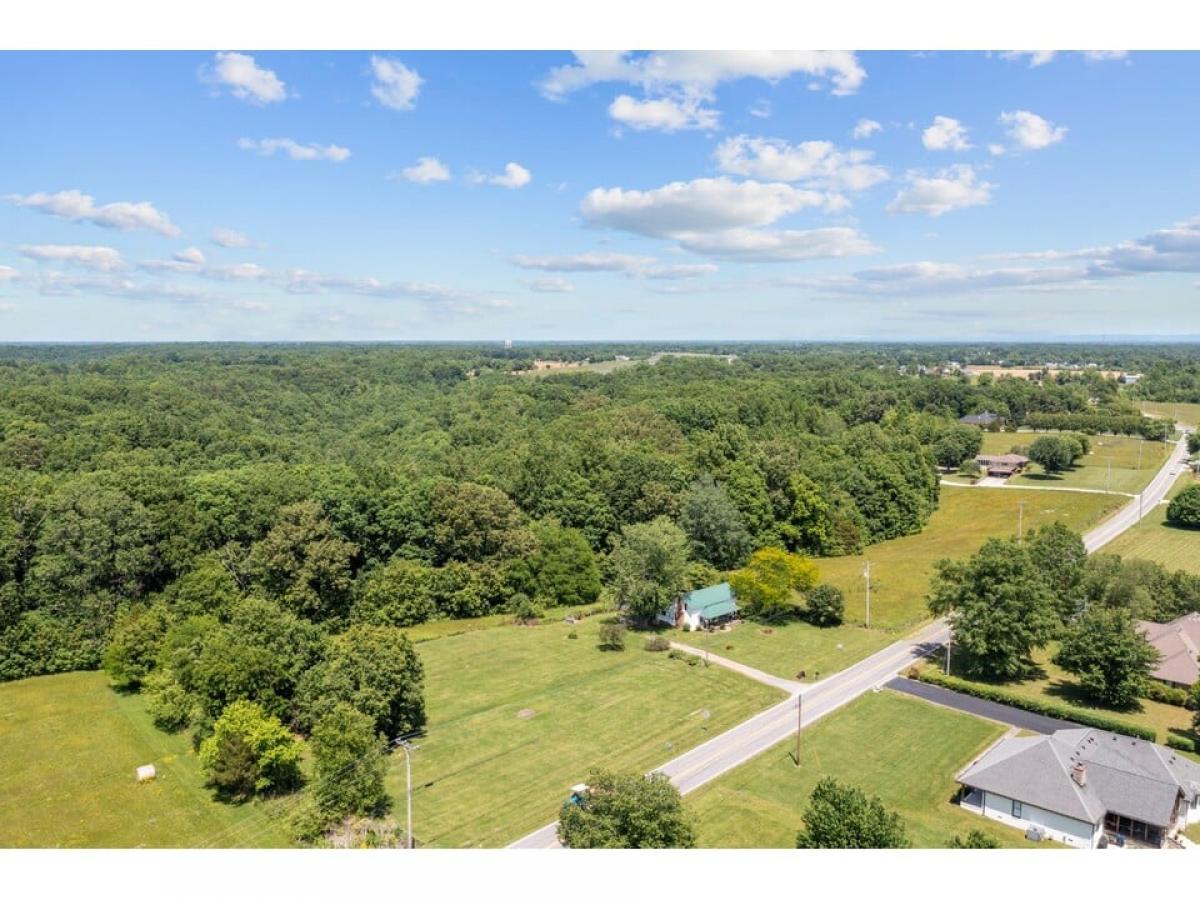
704 204
80 207
950 189
294 149
514 176
864 128
818 164
394 84
1030 131
426 170
945 134
787 245
663 114
245 79
97 259
698 72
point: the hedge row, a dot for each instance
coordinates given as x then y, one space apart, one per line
1162 693
1176 742
931 675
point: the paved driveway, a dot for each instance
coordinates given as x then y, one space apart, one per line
986 709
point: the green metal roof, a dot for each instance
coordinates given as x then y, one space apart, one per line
711 602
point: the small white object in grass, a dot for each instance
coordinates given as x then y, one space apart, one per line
146 773
839 646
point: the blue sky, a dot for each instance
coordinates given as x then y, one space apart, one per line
423 195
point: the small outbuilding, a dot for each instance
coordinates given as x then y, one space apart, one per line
704 608
145 773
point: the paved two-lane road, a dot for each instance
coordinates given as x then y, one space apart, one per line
742 742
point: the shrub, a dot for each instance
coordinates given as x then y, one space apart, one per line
169 705
826 605
572 635
931 675
1178 742
612 636
676 654
1162 693
657 644
249 752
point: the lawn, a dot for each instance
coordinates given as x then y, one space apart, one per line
1093 471
965 518
1059 687
788 646
1186 413
1155 540
904 750
517 715
68 748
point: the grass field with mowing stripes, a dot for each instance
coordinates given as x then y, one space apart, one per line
904 750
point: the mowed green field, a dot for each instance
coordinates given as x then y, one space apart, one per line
518 715
902 749
965 518
788 647
1093 471
68 749
1155 540
1186 413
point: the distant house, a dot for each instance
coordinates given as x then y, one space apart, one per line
1178 646
1130 378
985 419
701 609
1079 785
1002 466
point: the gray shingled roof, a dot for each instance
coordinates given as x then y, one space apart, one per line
1133 778
1178 645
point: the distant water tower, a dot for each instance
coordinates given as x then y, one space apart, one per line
508 344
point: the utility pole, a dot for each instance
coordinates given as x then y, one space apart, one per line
949 641
799 723
1020 520
1140 443
408 748
867 576
1108 479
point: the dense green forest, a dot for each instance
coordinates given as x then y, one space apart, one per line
383 485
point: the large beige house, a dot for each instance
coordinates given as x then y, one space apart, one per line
1178 646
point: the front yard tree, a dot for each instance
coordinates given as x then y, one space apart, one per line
1052 453
1109 656
249 752
974 840
999 605
1059 554
766 585
649 563
1184 509
842 817
627 811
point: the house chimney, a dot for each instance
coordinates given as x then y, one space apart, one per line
1079 773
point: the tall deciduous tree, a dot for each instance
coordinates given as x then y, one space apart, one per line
627 811
374 669
842 817
1184 508
349 764
999 605
1108 654
649 563
714 525
1059 555
1052 453
303 563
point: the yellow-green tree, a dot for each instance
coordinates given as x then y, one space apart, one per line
768 581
